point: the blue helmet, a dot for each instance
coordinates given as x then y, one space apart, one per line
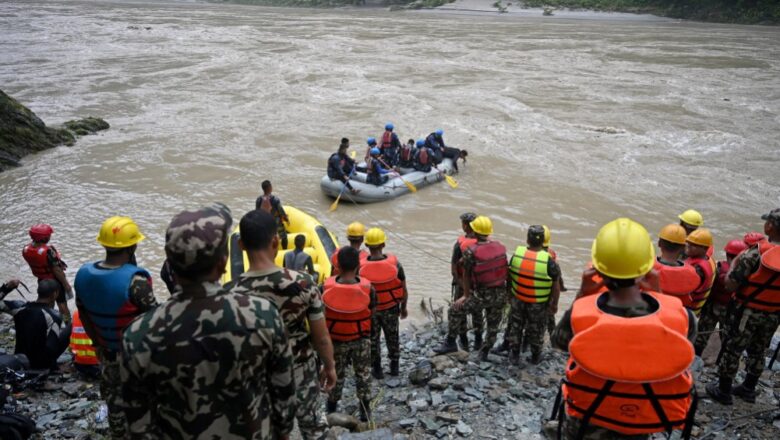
374 151
371 141
439 132
420 143
389 126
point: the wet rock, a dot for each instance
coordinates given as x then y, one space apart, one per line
408 423
473 393
377 434
71 389
429 424
334 432
421 373
393 383
442 362
436 399
460 356
463 429
450 396
86 126
344 420
44 420
438 383
448 417
418 405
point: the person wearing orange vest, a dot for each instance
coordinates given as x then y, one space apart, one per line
533 276
754 278
697 245
350 302
626 347
457 320
386 275
46 264
355 233
714 311
484 281
84 357
670 275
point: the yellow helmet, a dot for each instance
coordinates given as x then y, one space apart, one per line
356 229
375 237
701 237
623 250
547 236
482 225
119 232
673 233
692 217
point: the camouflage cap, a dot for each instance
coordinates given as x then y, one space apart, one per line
194 237
773 216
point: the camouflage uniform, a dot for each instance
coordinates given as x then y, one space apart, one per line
563 334
142 296
297 297
457 320
750 330
712 315
528 321
386 321
488 301
207 363
358 354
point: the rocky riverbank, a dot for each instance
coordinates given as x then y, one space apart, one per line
22 132
435 397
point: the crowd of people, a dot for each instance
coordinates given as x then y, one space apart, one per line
249 358
390 157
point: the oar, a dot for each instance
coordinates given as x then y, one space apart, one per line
408 184
335 204
353 154
450 180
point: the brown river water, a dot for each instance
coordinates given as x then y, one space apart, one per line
570 123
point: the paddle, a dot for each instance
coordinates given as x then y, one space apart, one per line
450 180
335 204
408 184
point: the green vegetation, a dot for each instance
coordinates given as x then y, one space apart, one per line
731 11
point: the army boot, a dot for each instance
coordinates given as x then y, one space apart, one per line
747 389
448 346
720 391
331 407
394 367
376 369
477 341
365 410
464 342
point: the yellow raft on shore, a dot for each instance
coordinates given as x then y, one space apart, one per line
320 244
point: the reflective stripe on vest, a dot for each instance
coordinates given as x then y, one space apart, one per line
528 273
80 344
490 265
678 281
630 375
700 294
104 295
762 290
383 275
38 259
347 312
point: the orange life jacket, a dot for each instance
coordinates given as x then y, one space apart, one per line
383 275
334 261
490 264
630 375
678 281
719 294
463 243
80 344
347 311
762 290
38 259
700 294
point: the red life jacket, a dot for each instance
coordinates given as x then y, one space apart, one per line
490 264
718 294
383 275
334 261
463 243
630 375
423 156
700 294
38 259
762 290
347 312
387 140
406 153
678 281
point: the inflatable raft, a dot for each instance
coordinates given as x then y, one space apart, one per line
320 244
393 188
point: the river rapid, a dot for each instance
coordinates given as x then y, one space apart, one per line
570 123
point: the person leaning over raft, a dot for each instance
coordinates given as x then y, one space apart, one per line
340 165
272 205
109 295
41 333
297 297
753 315
625 342
435 141
208 362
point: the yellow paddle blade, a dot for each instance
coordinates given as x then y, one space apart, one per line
450 181
353 154
335 204
409 185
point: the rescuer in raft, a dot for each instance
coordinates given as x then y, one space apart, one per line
46 264
755 279
423 157
350 303
626 347
340 165
376 174
435 141
390 145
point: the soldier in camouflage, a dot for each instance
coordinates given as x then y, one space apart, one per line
208 363
748 328
297 297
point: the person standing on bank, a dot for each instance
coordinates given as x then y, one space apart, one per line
297 297
355 233
46 264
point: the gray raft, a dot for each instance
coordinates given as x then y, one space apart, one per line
393 188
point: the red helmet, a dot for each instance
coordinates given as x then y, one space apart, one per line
41 232
752 238
734 247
